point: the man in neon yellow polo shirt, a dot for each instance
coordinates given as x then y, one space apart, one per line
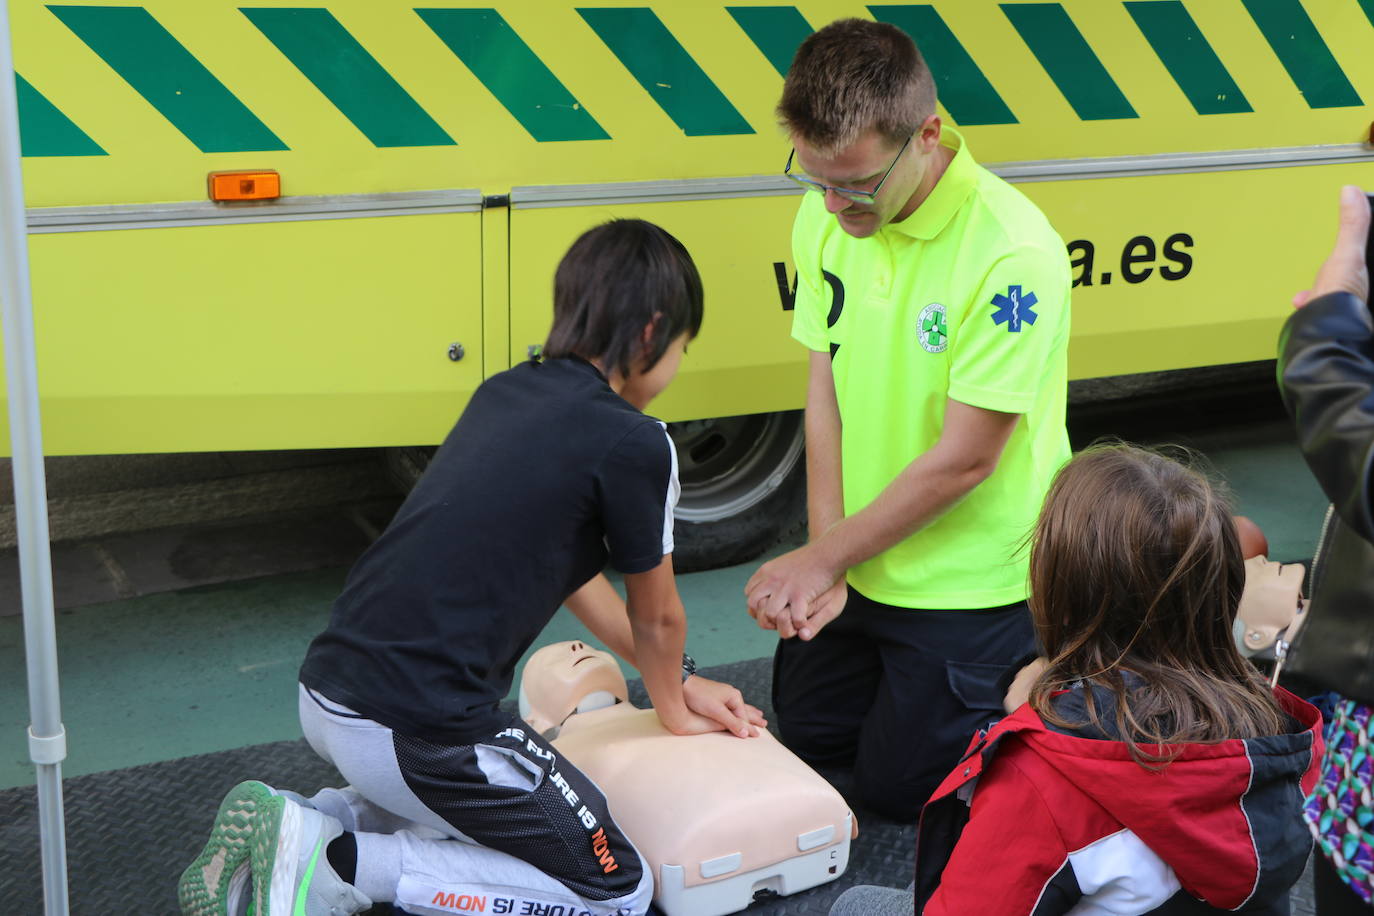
935 300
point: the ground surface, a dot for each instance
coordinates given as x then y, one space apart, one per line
193 654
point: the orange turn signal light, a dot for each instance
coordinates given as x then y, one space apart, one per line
244 185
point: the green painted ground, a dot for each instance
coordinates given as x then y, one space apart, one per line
208 669
167 676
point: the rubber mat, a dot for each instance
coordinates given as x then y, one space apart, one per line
130 832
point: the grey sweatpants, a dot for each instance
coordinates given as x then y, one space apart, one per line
501 826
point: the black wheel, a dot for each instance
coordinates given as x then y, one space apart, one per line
743 487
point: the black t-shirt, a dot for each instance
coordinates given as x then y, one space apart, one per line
546 477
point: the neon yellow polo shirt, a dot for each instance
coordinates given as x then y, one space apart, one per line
967 298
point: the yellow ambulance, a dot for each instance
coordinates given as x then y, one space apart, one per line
432 163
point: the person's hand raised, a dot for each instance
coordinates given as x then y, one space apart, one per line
1344 270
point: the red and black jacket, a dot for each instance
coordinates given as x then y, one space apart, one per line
1060 820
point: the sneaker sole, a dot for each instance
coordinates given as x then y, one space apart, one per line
275 856
204 887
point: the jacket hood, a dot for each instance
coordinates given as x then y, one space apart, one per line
1223 816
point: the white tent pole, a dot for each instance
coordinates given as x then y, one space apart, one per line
47 738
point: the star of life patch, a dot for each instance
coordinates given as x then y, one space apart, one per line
1014 308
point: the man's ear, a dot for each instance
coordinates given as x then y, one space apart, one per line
928 137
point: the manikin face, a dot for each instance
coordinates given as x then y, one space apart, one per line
860 167
561 678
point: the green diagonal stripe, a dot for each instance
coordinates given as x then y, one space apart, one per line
501 60
1061 49
774 30
341 68
1188 56
155 64
962 88
1303 53
46 131
1368 7
667 72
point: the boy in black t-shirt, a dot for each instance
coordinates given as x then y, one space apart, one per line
551 472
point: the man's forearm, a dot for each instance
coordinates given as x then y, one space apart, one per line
967 452
824 480
824 491
919 494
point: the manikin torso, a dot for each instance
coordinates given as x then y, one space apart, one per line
719 818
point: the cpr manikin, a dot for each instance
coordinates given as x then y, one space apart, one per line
720 819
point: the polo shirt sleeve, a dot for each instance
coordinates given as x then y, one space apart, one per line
1012 332
809 311
638 487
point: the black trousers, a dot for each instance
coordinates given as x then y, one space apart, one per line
897 693
1332 895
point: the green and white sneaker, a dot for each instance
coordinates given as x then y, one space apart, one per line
240 892
291 873
216 880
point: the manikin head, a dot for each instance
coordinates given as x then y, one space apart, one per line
567 678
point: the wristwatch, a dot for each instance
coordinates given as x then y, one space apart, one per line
689 667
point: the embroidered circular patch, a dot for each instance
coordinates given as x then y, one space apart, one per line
931 330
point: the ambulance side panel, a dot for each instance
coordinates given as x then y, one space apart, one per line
437 160
210 338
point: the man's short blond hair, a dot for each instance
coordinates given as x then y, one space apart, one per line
853 76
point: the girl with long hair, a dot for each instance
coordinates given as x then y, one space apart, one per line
1152 770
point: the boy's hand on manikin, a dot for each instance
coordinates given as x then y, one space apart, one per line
714 706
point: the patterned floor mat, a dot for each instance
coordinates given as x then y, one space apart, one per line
131 832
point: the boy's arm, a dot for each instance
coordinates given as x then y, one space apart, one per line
698 705
659 624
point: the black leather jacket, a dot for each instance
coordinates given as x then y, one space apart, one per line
1326 377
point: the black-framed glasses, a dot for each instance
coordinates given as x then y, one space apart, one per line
859 197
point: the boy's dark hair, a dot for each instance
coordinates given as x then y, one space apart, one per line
615 280
852 76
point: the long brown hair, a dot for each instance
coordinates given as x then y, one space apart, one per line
1136 567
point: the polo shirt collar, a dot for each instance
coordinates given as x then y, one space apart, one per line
578 363
947 196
